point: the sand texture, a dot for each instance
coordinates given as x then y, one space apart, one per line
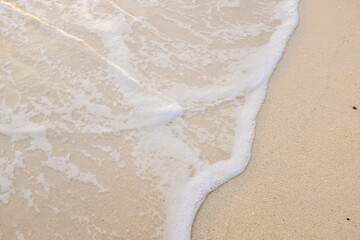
303 179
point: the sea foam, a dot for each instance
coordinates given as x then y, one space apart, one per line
118 117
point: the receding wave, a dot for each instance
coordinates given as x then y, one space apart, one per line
117 117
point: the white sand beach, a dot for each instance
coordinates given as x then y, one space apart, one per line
303 179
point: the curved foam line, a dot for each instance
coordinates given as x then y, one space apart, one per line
179 228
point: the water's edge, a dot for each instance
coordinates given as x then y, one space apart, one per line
236 167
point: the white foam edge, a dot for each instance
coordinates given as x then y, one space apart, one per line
183 209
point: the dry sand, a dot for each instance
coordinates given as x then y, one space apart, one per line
303 179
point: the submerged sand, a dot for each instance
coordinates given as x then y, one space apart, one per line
117 119
302 181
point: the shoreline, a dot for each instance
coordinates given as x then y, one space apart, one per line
301 182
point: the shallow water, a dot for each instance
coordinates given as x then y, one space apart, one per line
117 118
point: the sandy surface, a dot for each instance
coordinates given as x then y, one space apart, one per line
303 179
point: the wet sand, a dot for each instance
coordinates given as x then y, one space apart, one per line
92 142
303 179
